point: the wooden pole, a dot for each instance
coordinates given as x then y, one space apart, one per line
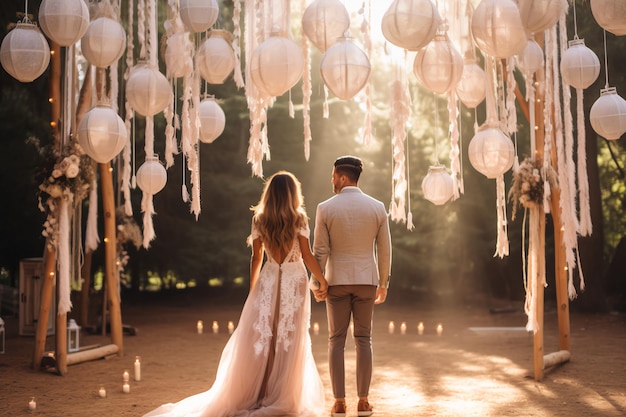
41 332
85 289
60 340
111 278
91 354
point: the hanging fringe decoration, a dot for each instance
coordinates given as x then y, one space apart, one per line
127 181
511 84
237 76
586 226
535 266
502 243
453 131
63 258
306 91
147 207
400 114
366 131
91 231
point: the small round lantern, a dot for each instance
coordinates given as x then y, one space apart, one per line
178 52
151 175
410 24
215 58
276 65
212 120
610 15
608 114
73 336
325 21
64 21
491 152
497 28
531 58
198 15
579 66
438 185
438 66
472 87
345 68
102 133
104 42
147 90
24 52
539 15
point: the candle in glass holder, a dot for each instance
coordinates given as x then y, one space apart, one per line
439 329
102 393
316 328
392 327
125 376
420 328
137 368
231 327
403 328
200 326
32 404
215 327
126 388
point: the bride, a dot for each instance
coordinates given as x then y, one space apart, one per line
267 366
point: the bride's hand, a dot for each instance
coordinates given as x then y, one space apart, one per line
322 291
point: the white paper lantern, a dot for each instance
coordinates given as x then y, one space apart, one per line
104 42
151 175
276 65
580 66
212 120
24 52
438 185
345 68
64 21
199 15
539 15
178 55
147 90
608 114
610 15
472 87
438 66
215 58
530 60
410 24
102 133
324 22
491 152
497 28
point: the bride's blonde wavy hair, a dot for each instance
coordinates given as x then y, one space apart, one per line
280 212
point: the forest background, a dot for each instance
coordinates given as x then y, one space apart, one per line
448 258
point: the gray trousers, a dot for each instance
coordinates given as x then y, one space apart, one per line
342 302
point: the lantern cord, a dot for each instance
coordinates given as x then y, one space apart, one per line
575 22
436 128
409 215
606 65
26 9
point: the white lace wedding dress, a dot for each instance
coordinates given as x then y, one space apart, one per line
267 366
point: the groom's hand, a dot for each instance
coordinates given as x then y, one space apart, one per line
381 295
320 295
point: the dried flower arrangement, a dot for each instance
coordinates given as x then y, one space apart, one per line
528 185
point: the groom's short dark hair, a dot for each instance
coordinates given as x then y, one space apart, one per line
350 166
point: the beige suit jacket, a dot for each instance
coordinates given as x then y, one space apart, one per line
351 240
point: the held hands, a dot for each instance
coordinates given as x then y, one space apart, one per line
319 288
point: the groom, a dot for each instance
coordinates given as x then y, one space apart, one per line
352 244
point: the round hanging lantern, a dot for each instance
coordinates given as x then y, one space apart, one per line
178 52
198 15
212 120
580 66
472 87
497 28
325 21
608 114
345 68
25 53
539 15
410 24
102 133
276 65
491 152
147 90
438 66
104 42
215 58
151 176
531 58
438 185
64 21
610 15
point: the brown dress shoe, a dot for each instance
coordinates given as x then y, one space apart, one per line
339 409
364 409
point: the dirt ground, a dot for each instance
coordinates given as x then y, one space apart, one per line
481 365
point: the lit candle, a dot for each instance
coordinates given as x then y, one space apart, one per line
216 327
137 369
231 327
316 328
420 328
403 328
392 327
102 392
200 326
125 376
439 329
32 405
126 388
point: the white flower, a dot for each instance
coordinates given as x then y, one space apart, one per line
56 173
72 171
525 186
54 191
74 159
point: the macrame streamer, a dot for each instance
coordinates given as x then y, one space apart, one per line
453 131
63 258
400 113
126 153
534 268
91 231
502 243
237 76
